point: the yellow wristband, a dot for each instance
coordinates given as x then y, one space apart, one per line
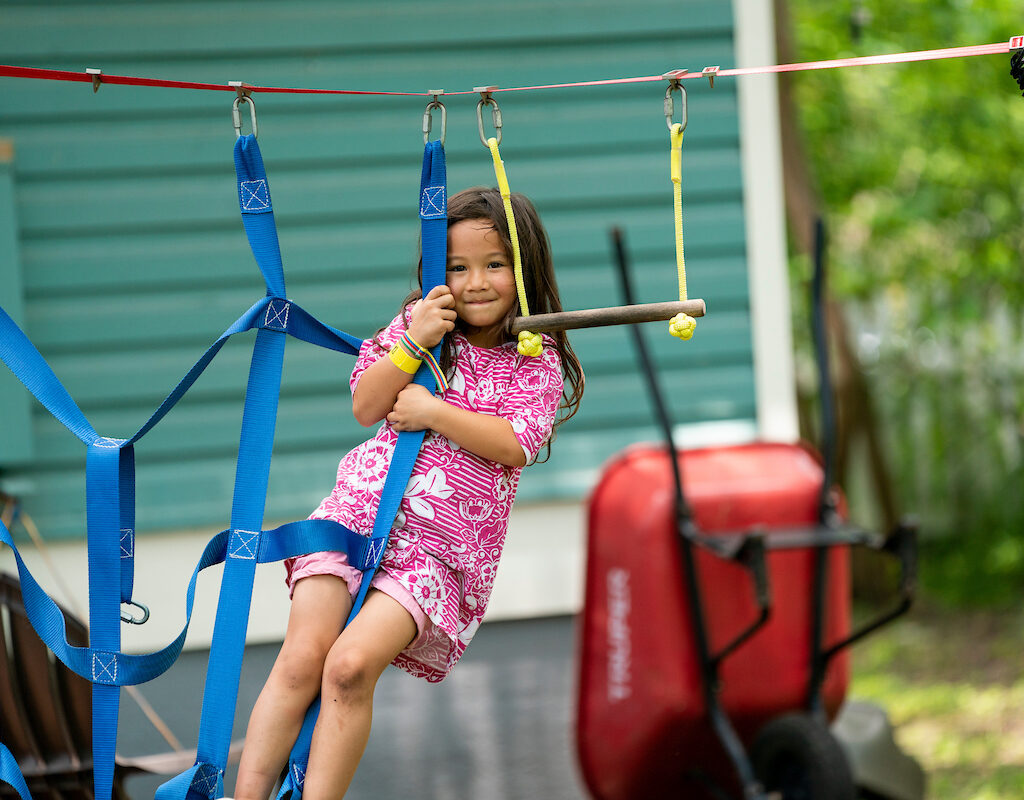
403 360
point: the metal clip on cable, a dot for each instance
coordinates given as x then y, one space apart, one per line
675 85
244 96
428 116
487 100
97 78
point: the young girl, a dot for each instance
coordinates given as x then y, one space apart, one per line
429 595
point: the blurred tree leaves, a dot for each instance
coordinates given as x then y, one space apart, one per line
920 170
919 162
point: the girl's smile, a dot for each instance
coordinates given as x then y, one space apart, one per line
482 280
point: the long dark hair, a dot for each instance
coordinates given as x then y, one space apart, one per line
484 203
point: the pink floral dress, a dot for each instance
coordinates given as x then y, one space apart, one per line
450 529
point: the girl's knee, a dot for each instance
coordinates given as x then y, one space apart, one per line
349 676
300 665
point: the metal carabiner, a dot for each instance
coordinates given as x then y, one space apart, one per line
487 100
674 84
236 118
428 119
126 617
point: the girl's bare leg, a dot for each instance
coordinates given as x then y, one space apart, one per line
381 630
320 605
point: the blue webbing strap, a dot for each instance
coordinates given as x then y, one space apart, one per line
109 578
111 670
126 534
103 510
21 356
11 774
287 541
434 237
258 213
110 480
206 778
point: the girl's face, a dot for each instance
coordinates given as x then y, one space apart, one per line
481 277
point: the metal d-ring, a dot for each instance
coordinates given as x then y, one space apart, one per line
675 85
236 118
428 119
487 100
132 620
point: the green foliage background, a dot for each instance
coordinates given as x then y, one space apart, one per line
919 167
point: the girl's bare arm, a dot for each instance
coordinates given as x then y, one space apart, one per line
483 435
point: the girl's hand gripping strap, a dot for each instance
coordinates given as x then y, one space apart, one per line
434 236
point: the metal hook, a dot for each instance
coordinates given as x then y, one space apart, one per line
487 100
97 78
675 84
244 96
428 119
126 617
710 73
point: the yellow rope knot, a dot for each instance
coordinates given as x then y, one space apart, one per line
682 326
530 344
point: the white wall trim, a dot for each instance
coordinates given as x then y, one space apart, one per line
764 212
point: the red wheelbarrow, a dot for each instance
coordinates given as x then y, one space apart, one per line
717 619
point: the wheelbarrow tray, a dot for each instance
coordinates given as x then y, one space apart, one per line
642 724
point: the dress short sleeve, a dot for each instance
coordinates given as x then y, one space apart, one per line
377 346
531 402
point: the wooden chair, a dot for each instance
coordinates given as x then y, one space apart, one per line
46 712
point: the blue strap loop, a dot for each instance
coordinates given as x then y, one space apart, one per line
258 213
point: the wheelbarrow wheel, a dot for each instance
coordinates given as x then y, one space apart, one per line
797 757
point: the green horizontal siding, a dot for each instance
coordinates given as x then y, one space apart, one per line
16 445
132 258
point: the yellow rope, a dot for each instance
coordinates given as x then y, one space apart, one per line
681 325
677 192
529 343
517 259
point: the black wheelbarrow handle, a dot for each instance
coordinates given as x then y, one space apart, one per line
901 543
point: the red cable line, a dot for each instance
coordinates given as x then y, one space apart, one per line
891 58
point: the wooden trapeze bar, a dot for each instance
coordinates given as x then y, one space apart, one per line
613 315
